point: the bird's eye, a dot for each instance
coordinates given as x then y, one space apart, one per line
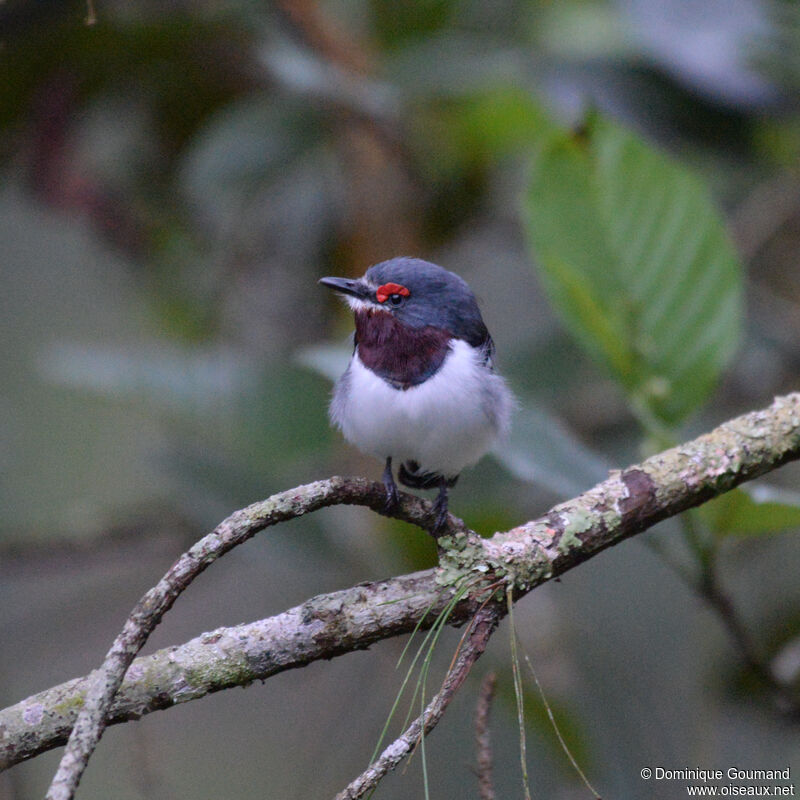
393 292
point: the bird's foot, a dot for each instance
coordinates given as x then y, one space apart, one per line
440 511
392 497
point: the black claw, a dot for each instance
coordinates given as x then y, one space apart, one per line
440 510
392 498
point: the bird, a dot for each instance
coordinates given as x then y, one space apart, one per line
420 387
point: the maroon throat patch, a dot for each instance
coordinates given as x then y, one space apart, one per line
401 355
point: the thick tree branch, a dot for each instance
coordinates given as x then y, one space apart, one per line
628 502
321 628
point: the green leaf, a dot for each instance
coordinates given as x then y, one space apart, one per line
752 510
541 450
636 259
394 23
462 131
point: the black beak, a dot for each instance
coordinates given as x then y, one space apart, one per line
348 286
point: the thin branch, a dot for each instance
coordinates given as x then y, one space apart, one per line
706 584
483 742
147 613
627 503
323 36
711 591
484 624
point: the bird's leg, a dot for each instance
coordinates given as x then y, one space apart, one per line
440 509
391 487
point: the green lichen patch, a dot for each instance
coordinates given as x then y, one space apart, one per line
70 705
221 672
460 555
504 558
579 520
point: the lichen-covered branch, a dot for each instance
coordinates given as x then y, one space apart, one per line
636 498
627 503
104 682
323 627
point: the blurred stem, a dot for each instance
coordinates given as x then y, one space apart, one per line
483 742
703 547
710 589
383 192
707 585
657 435
699 542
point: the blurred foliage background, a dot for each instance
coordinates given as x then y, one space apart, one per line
618 181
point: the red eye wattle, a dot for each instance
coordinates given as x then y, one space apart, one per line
388 289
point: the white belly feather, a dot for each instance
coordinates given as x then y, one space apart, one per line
444 424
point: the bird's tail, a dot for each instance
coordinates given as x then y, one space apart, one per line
412 475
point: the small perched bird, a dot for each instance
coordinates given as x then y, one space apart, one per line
420 387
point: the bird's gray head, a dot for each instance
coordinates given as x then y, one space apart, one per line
418 294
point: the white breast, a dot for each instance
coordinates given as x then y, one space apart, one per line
444 424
